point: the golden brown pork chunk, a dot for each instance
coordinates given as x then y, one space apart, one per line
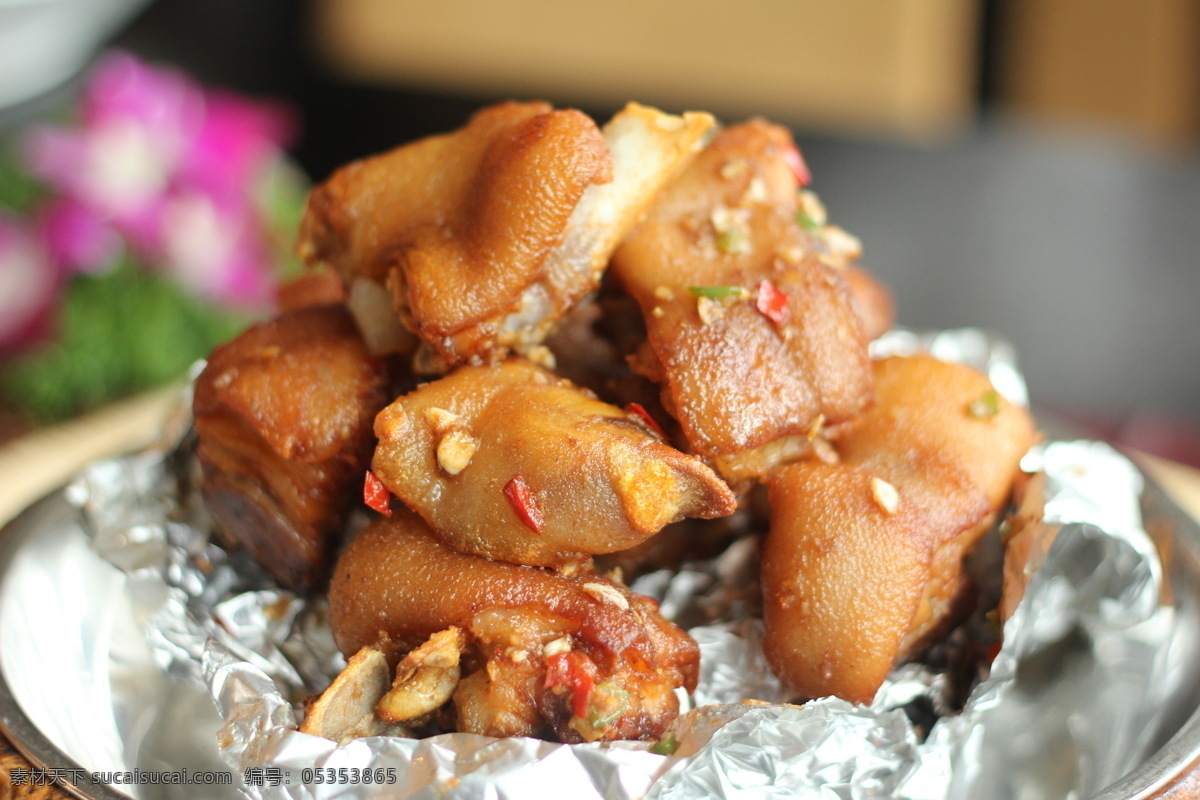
510 462
579 657
872 301
283 421
457 226
1027 542
486 236
863 562
842 577
750 323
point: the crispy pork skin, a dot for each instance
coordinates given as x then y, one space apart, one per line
510 462
283 420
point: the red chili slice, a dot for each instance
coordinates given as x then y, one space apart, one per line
799 168
639 411
771 303
521 498
376 495
577 673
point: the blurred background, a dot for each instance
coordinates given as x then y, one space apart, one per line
1030 167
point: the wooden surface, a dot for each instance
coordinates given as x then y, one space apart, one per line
40 462
36 464
893 67
1131 66
14 787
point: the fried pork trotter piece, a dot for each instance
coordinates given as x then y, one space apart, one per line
842 577
311 288
863 561
486 236
872 301
841 251
283 421
1027 543
751 327
577 655
512 463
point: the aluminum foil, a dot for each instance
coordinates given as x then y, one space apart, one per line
1090 660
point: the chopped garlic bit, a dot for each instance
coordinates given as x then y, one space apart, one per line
817 426
657 312
812 207
885 495
733 233
825 452
607 594
756 192
733 168
455 450
669 122
542 356
425 679
840 242
792 255
556 647
709 310
440 419
568 569
663 293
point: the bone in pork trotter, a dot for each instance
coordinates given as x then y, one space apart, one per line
486 236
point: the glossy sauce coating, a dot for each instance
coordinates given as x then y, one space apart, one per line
923 474
872 301
596 477
735 373
397 581
843 578
283 420
458 226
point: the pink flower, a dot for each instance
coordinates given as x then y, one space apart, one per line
29 283
216 251
77 238
172 170
235 144
135 125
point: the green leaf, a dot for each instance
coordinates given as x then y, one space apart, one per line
666 745
985 406
19 191
808 223
282 195
118 333
720 292
606 704
733 239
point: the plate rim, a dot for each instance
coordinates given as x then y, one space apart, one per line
20 731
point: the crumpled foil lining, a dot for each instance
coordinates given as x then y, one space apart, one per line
1070 704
